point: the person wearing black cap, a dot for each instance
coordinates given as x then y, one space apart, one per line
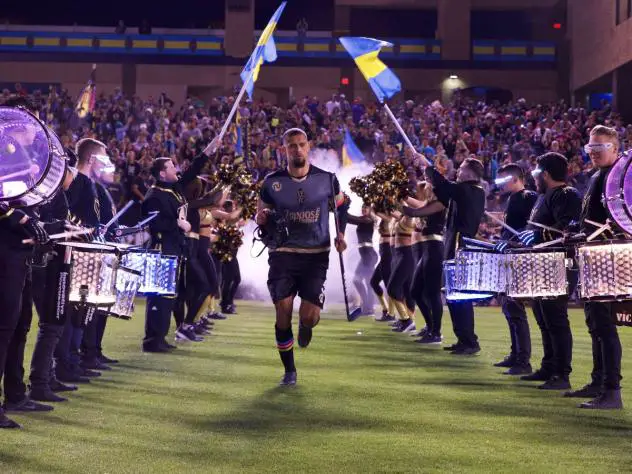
556 207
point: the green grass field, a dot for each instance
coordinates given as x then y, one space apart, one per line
368 400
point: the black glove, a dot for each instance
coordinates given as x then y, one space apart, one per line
35 230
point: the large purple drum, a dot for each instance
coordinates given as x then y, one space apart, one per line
32 159
618 192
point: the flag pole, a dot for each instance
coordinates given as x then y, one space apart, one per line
235 105
402 133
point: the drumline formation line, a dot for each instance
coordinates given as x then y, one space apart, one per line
60 249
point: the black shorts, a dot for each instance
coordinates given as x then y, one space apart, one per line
298 273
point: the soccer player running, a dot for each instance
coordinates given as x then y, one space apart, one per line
302 194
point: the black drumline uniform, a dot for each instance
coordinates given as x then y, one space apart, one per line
382 271
15 314
426 283
83 203
51 281
600 317
519 207
365 226
91 344
465 202
555 208
166 236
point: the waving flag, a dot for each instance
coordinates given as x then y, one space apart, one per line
365 51
265 51
350 151
85 103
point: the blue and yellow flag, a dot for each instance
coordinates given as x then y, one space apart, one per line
350 151
265 51
364 52
87 98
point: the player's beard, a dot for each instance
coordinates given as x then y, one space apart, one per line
298 162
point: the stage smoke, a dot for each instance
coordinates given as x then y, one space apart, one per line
254 271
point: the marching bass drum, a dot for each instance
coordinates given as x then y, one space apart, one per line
618 192
32 159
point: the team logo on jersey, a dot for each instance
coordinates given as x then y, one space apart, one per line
276 186
300 195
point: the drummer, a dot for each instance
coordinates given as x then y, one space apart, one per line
521 201
604 388
557 205
168 235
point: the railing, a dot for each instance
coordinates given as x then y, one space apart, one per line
513 51
195 45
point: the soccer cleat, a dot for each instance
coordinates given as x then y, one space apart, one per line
556 383
354 314
608 400
288 380
587 391
304 336
508 361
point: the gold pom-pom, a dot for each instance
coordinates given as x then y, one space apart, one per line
229 239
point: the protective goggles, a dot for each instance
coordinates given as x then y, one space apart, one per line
105 160
597 147
503 180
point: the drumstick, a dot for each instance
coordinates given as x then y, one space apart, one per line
545 227
593 223
548 244
119 214
153 215
62 235
31 170
502 223
598 232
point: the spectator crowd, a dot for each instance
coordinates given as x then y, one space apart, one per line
138 130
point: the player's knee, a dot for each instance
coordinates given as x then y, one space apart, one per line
309 314
284 313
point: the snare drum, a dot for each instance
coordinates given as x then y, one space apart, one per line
536 274
452 294
159 272
32 159
480 271
92 273
605 271
127 284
